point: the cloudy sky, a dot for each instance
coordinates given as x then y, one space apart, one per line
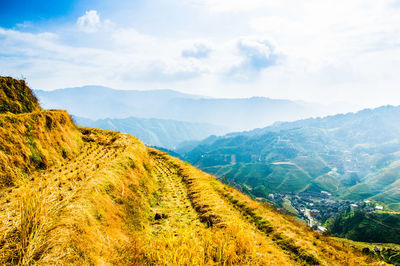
321 51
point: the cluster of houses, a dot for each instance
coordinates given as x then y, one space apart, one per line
317 207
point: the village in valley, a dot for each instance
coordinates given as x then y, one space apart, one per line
316 207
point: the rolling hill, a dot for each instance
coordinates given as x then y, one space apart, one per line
73 195
156 132
353 156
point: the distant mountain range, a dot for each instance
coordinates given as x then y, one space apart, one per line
97 102
354 156
155 132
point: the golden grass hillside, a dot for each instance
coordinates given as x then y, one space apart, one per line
33 141
16 97
97 197
119 202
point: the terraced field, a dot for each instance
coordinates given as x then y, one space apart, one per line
194 197
77 211
174 209
196 224
84 196
119 202
49 193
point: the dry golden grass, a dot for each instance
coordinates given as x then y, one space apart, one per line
34 141
86 196
225 207
82 210
99 208
16 97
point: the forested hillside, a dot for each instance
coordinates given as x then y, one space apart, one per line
354 156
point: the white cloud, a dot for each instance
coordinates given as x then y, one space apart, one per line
42 56
90 22
325 50
199 50
130 38
166 71
257 54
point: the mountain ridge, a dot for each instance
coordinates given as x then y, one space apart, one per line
115 201
236 113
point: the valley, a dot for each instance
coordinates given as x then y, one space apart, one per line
89 196
199 132
352 156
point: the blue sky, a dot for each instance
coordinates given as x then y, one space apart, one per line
320 51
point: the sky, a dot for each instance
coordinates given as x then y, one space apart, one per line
317 51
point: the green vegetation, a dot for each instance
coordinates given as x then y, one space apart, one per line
366 227
389 253
353 156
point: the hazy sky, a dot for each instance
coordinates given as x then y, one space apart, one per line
313 50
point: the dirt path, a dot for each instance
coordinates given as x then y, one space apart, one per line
174 209
175 201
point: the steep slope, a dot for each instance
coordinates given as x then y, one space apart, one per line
355 156
79 210
114 201
238 229
34 141
155 132
118 202
29 137
367 227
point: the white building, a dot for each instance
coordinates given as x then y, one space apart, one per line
326 193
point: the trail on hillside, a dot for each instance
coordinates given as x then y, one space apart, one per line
191 198
180 213
194 220
174 210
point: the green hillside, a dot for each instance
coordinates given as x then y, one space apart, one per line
366 227
353 156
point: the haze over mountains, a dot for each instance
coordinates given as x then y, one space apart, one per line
97 102
156 132
354 156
